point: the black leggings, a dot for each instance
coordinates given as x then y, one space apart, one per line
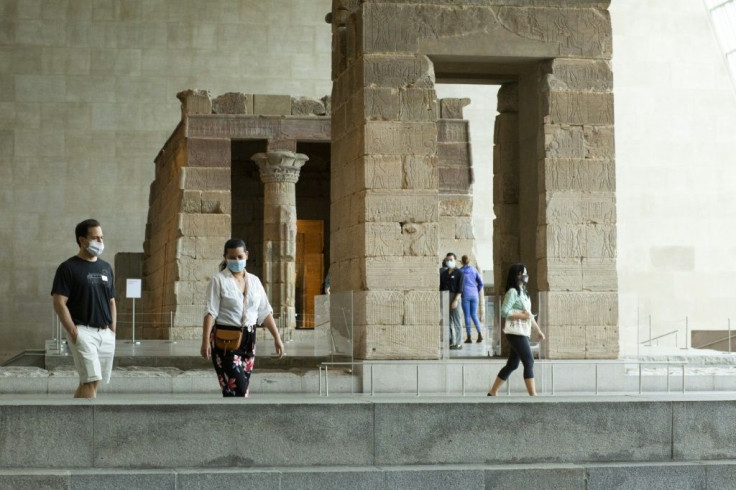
519 351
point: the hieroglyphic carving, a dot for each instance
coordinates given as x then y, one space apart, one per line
564 141
382 104
580 108
380 307
417 104
400 138
398 71
383 172
451 131
580 75
383 239
579 208
421 307
420 239
456 205
408 273
582 308
578 175
570 29
599 142
420 172
402 206
599 274
208 152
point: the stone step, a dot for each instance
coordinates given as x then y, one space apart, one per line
471 378
298 431
590 476
149 380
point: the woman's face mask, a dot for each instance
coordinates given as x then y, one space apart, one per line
236 265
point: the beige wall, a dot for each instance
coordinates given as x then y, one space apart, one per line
675 112
88 97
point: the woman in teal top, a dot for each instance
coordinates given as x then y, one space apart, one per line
516 309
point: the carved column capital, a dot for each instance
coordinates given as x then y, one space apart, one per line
280 165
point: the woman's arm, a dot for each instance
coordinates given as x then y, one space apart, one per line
507 309
270 325
536 325
207 324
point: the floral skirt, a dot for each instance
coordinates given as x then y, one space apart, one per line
234 367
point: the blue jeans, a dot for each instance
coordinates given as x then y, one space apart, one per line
470 308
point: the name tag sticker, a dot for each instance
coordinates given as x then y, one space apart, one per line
104 278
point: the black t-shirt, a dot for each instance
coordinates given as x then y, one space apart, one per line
451 281
89 286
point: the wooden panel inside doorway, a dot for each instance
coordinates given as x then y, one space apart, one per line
310 268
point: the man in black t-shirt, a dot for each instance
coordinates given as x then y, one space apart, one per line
84 299
451 279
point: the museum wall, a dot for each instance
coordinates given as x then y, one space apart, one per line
88 98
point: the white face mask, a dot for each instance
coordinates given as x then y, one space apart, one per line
95 248
236 265
451 264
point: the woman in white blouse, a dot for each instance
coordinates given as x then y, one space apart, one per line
236 301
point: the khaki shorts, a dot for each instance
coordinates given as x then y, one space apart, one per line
93 353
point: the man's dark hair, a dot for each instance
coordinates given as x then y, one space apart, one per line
453 255
82 229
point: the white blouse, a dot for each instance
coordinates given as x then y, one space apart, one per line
225 300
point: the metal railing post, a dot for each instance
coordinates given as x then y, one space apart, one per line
417 379
650 330
552 376
640 377
462 373
327 383
372 392
320 379
596 378
729 335
668 377
683 378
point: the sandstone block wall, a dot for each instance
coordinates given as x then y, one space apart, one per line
190 214
557 110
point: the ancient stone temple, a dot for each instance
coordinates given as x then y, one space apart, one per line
554 195
375 182
259 167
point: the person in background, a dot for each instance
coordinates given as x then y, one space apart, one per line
516 309
472 286
84 300
451 279
236 301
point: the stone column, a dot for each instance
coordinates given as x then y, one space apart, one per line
576 243
506 248
279 171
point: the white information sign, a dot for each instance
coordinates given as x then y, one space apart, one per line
133 288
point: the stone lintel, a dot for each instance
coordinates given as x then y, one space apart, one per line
231 126
487 30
